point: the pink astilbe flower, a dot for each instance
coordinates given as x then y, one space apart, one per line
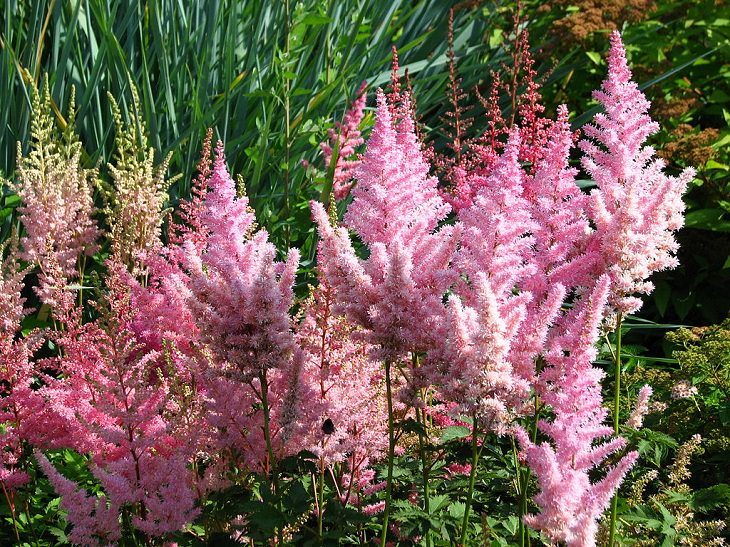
636 207
557 207
396 293
18 402
475 369
238 297
570 504
238 293
496 227
56 192
190 227
345 137
560 233
95 521
346 386
636 419
126 407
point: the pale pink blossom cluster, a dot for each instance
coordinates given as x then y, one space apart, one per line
57 203
641 408
683 390
396 293
346 383
637 207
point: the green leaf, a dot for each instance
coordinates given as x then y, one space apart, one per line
594 56
707 499
456 510
707 219
454 432
315 19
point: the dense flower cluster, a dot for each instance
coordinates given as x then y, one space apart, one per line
192 371
57 209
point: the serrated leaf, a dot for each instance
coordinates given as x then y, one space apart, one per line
456 510
454 432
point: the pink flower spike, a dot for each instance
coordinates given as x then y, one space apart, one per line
636 207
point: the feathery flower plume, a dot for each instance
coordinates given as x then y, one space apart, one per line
345 137
136 204
238 296
18 402
636 419
238 292
346 385
118 403
570 504
57 198
496 227
476 372
395 295
636 207
95 521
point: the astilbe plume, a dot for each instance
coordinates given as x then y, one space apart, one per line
190 226
559 235
473 157
496 227
95 521
476 370
56 193
344 139
135 211
636 206
238 296
119 403
570 504
347 388
18 402
395 294
162 313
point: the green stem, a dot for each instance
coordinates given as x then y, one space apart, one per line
267 438
422 419
320 516
11 505
616 403
523 477
425 465
391 451
476 452
82 269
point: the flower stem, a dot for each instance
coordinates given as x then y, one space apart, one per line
426 467
476 451
267 438
320 515
616 403
391 451
11 504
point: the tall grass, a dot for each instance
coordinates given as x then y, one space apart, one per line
269 77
